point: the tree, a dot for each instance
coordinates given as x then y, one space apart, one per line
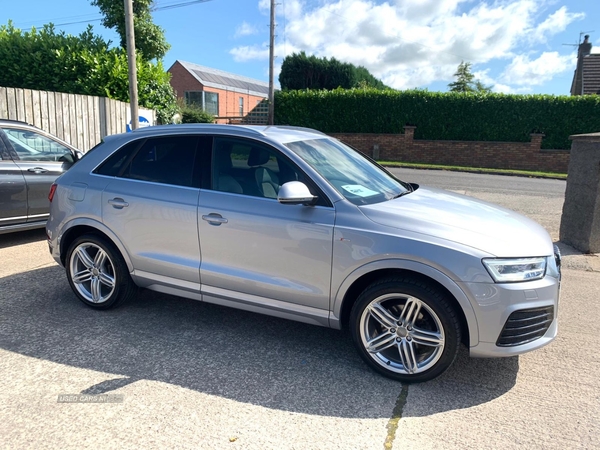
364 78
150 39
83 64
465 80
299 71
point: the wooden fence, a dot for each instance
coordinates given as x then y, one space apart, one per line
80 120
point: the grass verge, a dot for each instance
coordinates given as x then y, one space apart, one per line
520 173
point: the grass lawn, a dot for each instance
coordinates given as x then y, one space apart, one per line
520 173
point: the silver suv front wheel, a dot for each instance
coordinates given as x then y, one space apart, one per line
405 329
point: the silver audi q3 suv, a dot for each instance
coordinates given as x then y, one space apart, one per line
293 223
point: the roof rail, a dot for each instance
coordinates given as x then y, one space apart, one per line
291 127
20 122
199 126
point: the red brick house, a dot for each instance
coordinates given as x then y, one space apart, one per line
586 79
227 96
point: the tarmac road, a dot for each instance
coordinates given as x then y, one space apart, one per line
194 375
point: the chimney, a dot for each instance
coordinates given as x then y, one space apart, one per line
585 48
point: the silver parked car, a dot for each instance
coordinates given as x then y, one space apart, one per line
292 223
30 161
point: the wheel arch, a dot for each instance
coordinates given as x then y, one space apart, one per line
362 277
79 227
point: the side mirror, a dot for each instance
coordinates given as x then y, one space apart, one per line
68 158
295 193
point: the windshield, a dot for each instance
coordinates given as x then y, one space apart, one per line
354 176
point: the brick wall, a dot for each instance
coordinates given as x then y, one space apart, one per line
485 154
182 80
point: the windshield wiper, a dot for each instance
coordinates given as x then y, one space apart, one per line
400 194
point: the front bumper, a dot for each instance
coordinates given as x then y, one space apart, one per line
497 305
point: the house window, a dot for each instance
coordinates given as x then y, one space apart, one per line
194 98
211 103
241 106
208 101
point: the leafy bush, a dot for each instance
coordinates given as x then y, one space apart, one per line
442 116
195 114
50 61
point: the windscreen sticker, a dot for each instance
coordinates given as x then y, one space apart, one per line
357 189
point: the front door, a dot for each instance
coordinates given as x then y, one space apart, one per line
41 161
255 249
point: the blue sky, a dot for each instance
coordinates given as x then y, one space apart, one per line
514 45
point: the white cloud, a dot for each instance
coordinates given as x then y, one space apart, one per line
523 71
556 23
245 29
241 54
412 43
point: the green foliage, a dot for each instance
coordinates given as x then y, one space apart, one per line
445 116
150 39
299 71
465 80
50 61
195 114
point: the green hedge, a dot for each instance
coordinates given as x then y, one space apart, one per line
48 60
442 116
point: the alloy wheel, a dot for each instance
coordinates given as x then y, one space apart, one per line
402 333
92 272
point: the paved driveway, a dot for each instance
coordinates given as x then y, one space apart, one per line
193 375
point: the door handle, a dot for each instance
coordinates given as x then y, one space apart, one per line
215 219
118 203
37 170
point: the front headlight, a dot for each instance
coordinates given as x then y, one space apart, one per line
510 270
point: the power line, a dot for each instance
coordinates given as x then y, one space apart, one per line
96 18
178 5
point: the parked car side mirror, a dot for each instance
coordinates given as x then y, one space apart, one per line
68 158
295 193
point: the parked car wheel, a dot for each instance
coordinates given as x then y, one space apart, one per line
97 272
405 329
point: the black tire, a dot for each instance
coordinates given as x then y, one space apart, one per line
98 273
405 329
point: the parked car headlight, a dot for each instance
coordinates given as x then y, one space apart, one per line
507 270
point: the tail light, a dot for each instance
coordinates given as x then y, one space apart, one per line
52 191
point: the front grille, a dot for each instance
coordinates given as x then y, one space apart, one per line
525 326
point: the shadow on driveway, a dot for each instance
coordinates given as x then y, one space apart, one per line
220 351
22 237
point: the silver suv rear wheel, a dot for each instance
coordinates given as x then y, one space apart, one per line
97 272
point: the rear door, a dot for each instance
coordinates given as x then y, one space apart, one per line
13 190
41 160
151 205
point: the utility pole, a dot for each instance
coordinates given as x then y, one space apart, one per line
133 90
271 114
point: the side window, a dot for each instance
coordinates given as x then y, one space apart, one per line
4 154
167 160
250 168
116 163
32 146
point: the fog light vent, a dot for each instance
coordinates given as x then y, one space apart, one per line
526 325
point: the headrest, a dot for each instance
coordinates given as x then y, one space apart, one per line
258 156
